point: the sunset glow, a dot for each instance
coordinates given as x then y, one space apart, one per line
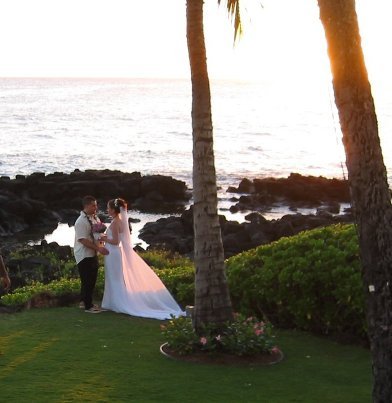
128 38
129 107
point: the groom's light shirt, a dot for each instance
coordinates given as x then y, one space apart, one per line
83 231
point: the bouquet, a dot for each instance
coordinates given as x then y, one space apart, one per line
99 227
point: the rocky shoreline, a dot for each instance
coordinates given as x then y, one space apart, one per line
255 197
295 191
176 233
38 202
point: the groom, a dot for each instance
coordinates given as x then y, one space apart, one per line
85 251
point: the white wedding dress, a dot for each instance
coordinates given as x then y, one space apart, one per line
131 286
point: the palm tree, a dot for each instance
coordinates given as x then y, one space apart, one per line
370 194
212 299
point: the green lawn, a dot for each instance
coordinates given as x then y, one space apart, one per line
66 355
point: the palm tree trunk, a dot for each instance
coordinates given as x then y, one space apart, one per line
212 300
371 198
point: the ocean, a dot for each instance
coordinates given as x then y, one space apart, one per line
260 128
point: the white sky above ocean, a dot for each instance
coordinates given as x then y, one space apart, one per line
133 38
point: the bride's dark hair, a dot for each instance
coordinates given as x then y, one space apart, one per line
115 204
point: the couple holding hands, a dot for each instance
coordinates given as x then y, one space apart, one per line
131 286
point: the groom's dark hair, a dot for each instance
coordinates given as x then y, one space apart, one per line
88 200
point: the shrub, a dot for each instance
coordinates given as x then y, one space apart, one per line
175 271
180 281
162 259
310 281
180 335
243 336
32 264
57 288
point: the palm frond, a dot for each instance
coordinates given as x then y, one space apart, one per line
233 8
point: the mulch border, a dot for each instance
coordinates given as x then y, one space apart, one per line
202 357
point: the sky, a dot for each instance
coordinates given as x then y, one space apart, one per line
147 38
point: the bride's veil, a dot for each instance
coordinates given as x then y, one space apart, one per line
126 244
149 294
124 230
138 276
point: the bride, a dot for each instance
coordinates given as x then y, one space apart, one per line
131 286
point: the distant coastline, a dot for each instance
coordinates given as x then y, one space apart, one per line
38 205
144 125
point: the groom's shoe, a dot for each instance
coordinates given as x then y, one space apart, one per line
99 308
93 309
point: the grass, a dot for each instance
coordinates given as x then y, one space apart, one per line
66 355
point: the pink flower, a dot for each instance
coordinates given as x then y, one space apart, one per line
275 349
259 325
258 332
99 227
218 338
203 340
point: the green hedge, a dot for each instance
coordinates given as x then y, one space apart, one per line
175 271
57 288
310 281
180 281
163 259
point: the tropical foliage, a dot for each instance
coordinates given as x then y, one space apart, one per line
310 281
23 295
163 259
241 336
30 265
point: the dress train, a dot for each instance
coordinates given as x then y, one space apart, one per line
132 287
